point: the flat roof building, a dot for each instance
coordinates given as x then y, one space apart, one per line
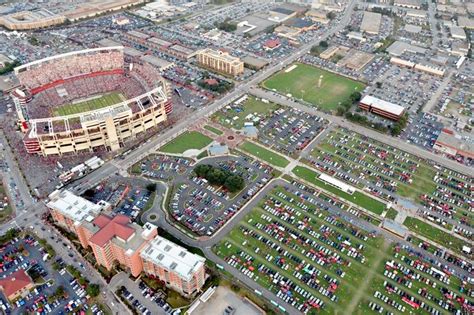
398 48
411 4
161 64
337 183
413 28
180 269
381 107
430 69
452 144
457 32
254 62
371 22
402 62
356 59
220 61
466 22
29 20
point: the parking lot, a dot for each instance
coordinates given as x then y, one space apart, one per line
422 130
292 245
55 290
408 283
194 203
283 129
162 167
388 172
127 196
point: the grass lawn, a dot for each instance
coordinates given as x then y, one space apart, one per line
264 154
186 141
81 107
233 116
391 214
214 130
435 234
302 83
357 197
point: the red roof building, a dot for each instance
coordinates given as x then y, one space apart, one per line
272 44
16 284
118 240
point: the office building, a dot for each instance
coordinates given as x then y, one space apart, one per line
220 61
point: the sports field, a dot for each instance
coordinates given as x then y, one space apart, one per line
302 83
86 106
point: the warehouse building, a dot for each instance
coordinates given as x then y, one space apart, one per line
371 22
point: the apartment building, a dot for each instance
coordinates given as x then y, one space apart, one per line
180 269
117 240
220 61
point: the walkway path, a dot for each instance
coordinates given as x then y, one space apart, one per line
362 290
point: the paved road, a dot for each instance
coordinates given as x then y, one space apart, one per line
15 173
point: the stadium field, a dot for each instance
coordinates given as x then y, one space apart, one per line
302 83
89 105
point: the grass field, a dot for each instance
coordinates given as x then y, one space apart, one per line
81 107
186 141
302 83
233 116
435 234
391 214
357 197
264 154
214 130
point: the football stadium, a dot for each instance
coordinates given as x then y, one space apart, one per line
88 100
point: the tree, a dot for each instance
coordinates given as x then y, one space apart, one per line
151 187
59 291
201 170
323 44
216 176
340 111
93 290
234 183
355 97
378 84
56 266
331 15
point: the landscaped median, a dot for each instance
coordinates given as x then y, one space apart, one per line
186 141
357 197
264 154
436 235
